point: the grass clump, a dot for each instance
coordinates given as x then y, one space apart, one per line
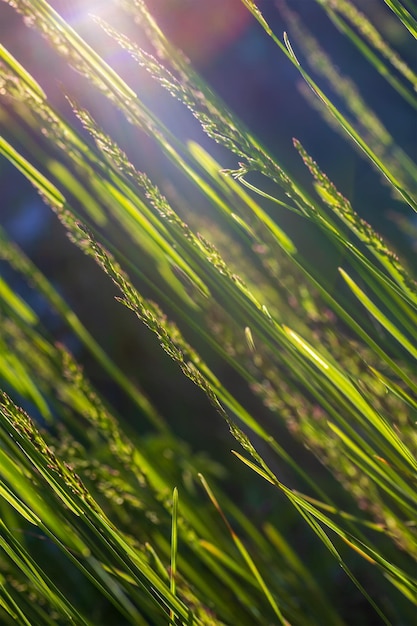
147 529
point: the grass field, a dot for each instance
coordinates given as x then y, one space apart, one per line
298 504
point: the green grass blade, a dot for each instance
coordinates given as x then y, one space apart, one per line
245 554
174 547
405 16
378 314
344 11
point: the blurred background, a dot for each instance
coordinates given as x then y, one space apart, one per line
247 70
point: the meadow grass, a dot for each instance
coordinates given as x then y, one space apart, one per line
144 528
